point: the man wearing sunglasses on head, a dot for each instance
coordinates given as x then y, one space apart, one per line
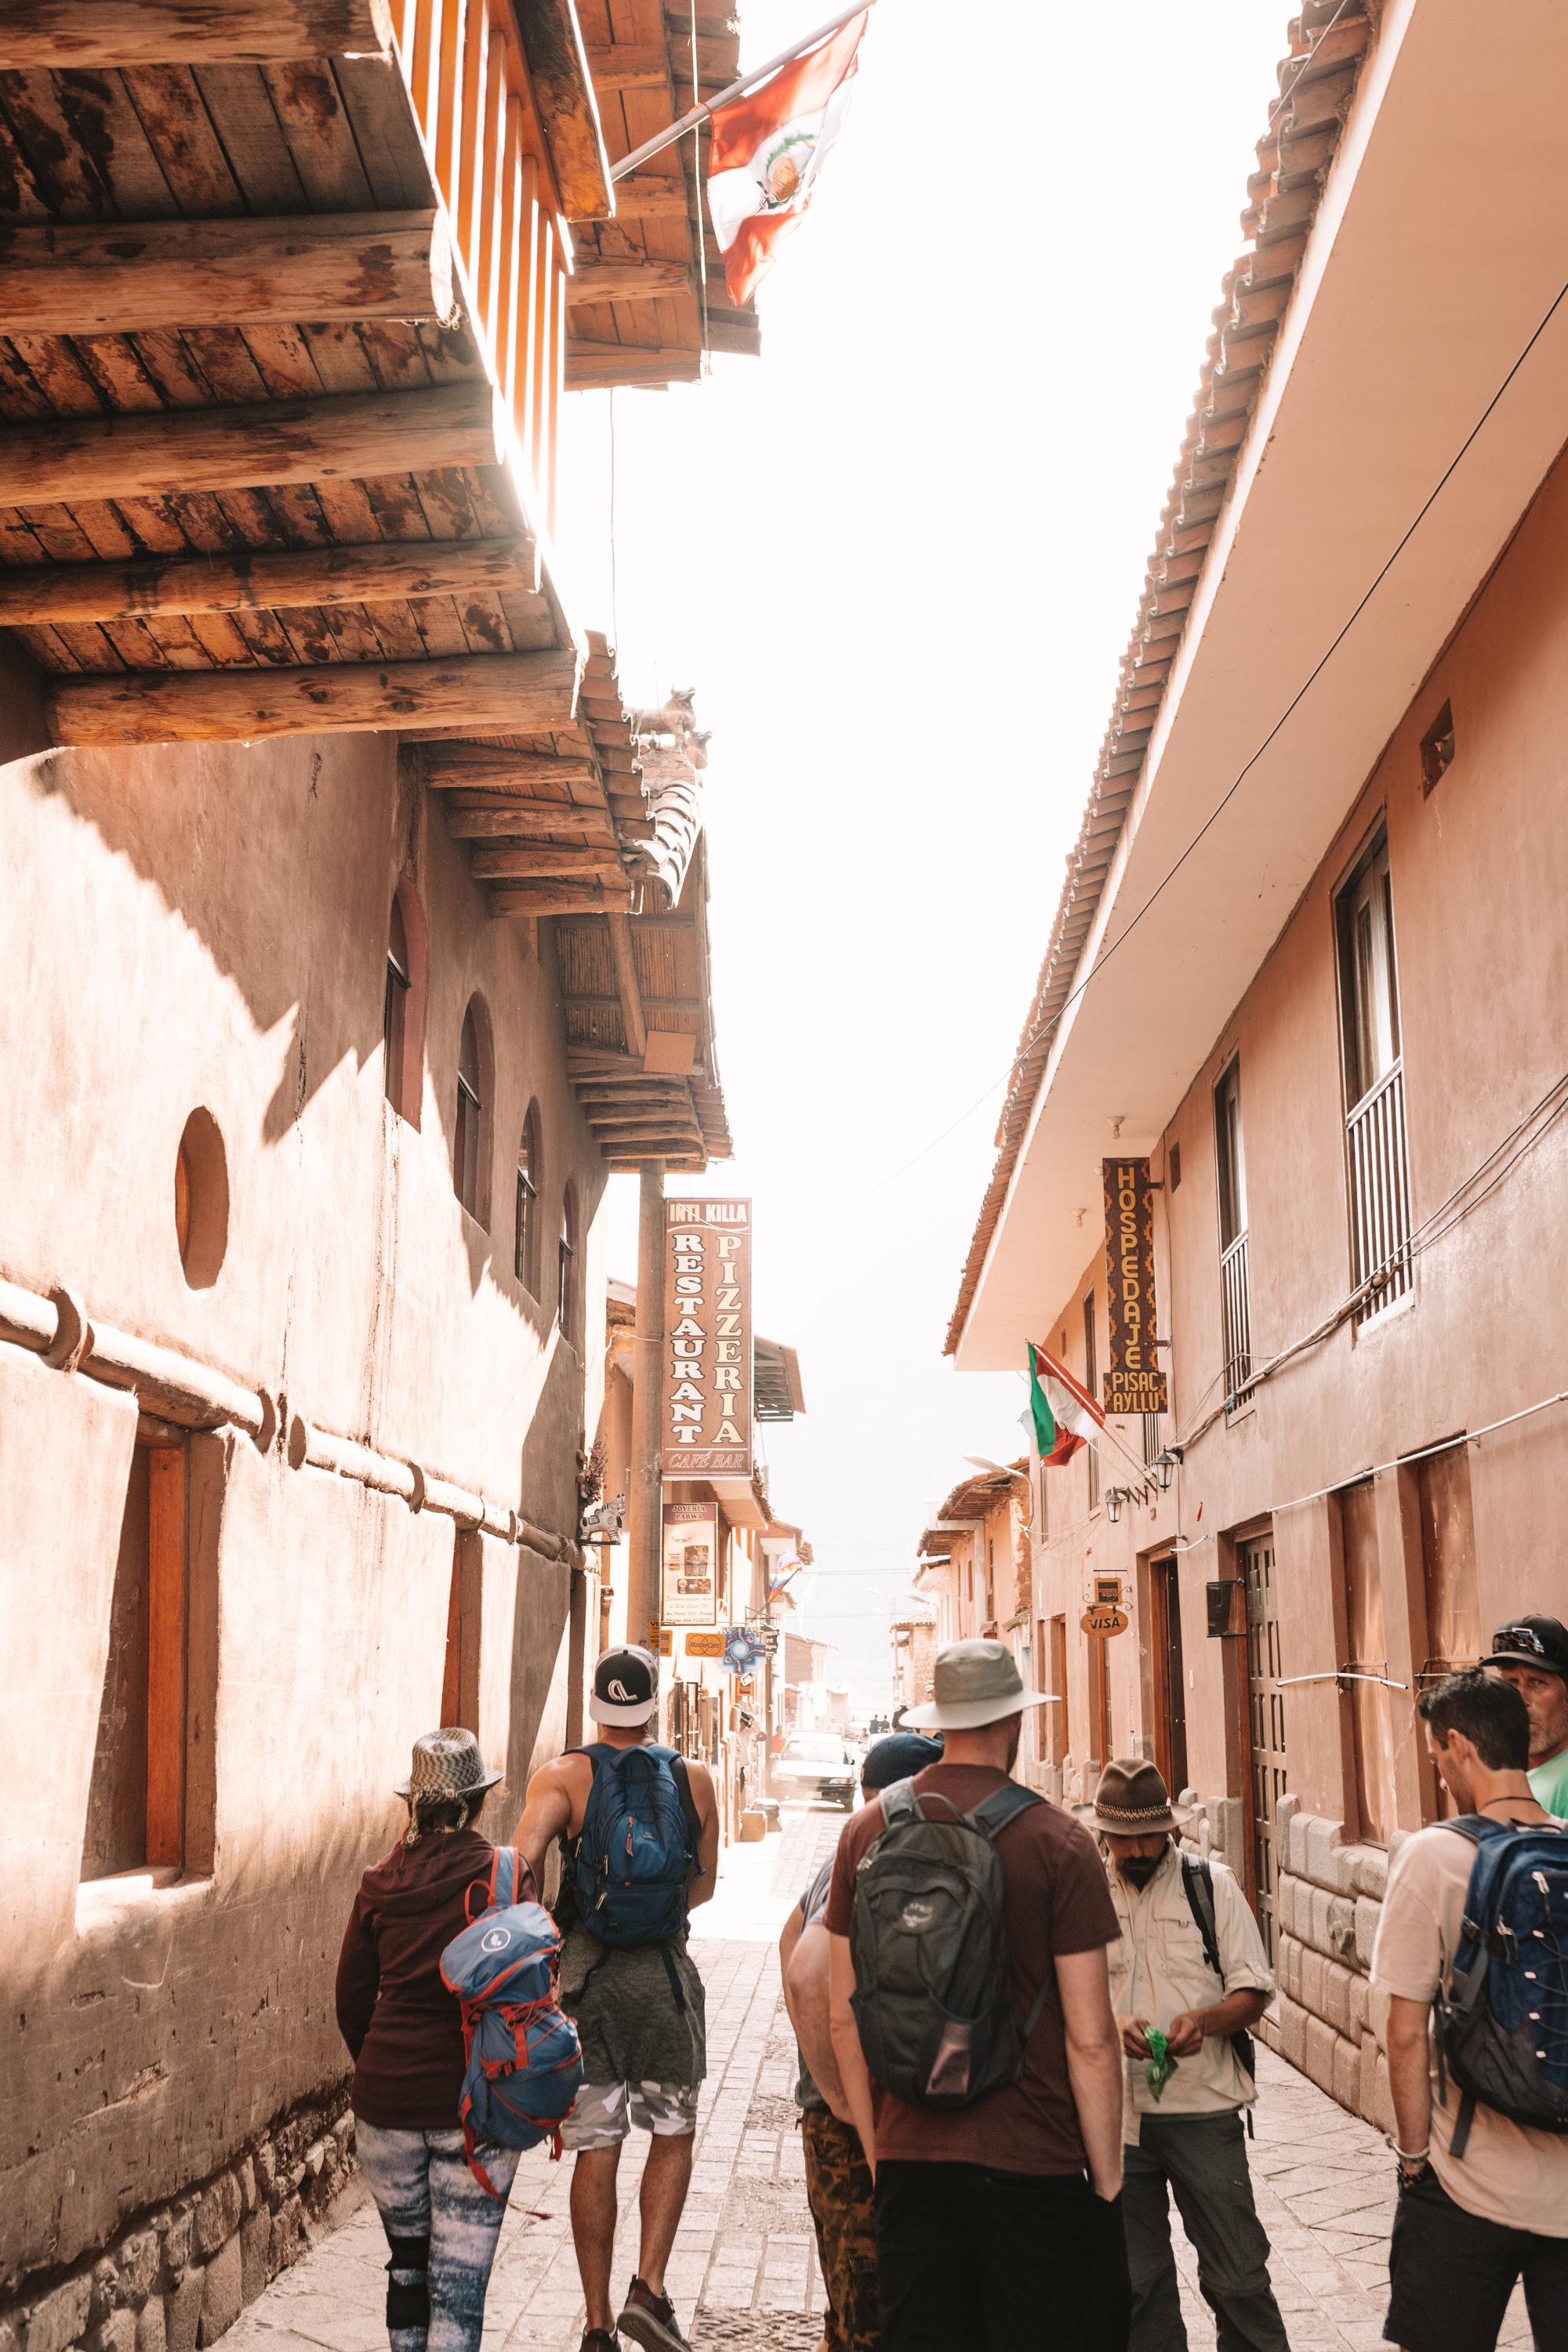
1531 1653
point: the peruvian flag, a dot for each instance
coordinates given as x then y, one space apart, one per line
767 150
1066 1416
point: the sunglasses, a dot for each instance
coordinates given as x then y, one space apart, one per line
1518 1637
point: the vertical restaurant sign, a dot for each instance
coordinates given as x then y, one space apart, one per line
707 1407
690 1564
1135 1382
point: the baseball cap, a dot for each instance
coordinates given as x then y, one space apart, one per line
898 1756
1537 1641
625 1687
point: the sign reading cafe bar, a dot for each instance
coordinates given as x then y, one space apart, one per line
707 1340
1135 1382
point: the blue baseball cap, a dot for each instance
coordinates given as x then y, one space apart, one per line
897 1755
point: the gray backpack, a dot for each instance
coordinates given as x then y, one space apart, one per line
934 1971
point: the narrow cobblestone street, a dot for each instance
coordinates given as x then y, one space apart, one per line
745 2270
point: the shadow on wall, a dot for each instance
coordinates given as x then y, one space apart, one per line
540 1622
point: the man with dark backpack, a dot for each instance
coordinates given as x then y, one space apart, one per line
968 1921
1190 1968
1474 1937
638 1827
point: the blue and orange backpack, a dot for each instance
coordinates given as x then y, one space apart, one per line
524 2062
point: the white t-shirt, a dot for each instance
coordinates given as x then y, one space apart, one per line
1507 2174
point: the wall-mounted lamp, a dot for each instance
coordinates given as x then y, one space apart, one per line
1114 1498
1164 1464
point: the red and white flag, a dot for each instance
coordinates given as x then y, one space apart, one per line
767 150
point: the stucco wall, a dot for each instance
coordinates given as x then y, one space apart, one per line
208 926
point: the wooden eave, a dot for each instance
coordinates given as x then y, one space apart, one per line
179 578
1317 81
656 315
562 825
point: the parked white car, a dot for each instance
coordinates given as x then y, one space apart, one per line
817 1764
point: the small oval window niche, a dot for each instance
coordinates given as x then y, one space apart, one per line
201 1199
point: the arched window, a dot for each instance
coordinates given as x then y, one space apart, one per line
403 1010
471 1128
525 1258
567 1250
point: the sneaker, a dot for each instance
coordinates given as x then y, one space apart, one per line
599 2339
649 2320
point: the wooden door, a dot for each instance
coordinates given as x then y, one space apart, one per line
1266 1711
1448 1558
1369 1718
1060 1740
1168 1674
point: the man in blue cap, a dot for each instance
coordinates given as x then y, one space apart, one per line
838 2177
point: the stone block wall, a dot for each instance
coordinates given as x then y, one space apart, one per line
178 2276
1327 1906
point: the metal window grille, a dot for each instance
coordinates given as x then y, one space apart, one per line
1236 1324
1377 1164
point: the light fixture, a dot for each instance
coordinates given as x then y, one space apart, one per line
1164 1463
1114 1496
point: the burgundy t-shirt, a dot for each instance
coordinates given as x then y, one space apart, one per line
403 2027
1057 1902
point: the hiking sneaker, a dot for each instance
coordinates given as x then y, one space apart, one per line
649 2320
599 2339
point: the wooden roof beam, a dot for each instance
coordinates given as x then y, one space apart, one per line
267 444
380 574
564 898
530 820
487 768
96 33
609 1004
628 983
520 692
528 862
624 281
117 278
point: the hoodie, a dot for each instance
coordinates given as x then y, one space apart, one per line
403 2028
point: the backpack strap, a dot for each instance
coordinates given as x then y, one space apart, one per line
899 1803
1197 1881
992 1815
682 1779
489 1886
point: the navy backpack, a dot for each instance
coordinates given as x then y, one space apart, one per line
1500 2018
638 1846
525 2063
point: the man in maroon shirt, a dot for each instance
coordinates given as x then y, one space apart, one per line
999 2223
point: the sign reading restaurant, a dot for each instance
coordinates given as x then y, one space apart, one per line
1135 1382
707 1340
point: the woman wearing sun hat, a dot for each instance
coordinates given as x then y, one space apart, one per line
405 2035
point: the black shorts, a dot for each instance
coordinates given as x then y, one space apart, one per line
1452 2273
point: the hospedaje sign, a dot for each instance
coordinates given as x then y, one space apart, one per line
1134 1381
707 1406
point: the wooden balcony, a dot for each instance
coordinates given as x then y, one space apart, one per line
283 353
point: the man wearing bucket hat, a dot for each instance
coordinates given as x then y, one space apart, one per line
404 2031
1189 1966
997 2216
636 1996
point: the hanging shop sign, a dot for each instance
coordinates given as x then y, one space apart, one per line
1100 1620
690 1564
660 1639
705 1645
1135 1382
742 1649
707 1408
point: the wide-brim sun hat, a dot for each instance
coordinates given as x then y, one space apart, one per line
447 1765
974 1684
1131 1800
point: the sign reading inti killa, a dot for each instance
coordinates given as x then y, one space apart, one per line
707 1340
1135 1382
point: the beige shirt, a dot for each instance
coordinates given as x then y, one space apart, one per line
1507 2174
1158 1970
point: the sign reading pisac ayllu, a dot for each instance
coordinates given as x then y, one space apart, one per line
1135 1382
707 1407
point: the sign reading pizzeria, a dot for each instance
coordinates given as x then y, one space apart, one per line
1135 1382
690 1565
707 1408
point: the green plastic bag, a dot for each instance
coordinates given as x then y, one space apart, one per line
1162 2065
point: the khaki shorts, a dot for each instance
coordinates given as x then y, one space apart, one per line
605 2111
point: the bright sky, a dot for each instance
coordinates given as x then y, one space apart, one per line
898 558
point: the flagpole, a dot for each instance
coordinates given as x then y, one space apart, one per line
748 81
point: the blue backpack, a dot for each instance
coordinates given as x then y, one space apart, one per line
525 2063
1501 2020
638 1846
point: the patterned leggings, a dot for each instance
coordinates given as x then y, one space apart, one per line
442 2229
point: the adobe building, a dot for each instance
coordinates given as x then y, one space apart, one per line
974 1575
357 930
1309 962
